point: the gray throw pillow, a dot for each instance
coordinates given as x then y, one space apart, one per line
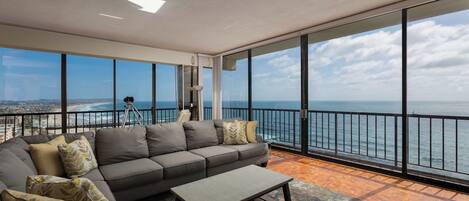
200 134
166 138
115 145
20 148
13 171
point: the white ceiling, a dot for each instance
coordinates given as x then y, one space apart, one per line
203 26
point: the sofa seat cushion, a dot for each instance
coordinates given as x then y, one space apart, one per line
124 175
180 163
250 150
94 175
217 155
105 190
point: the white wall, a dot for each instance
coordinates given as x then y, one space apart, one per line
26 38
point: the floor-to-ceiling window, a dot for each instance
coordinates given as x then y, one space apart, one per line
438 88
207 92
166 92
90 88
235 86
355 90
134 79
276 91
29 83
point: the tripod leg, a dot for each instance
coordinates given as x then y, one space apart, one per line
138 116
126 115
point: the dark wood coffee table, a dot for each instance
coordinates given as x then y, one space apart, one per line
245 183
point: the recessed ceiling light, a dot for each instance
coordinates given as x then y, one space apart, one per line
151 6
111 16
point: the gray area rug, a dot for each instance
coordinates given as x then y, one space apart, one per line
299 191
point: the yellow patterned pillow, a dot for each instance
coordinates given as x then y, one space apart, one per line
12 195
77 157
76 189
234 132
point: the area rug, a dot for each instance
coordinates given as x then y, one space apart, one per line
300 191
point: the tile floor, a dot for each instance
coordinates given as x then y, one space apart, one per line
358 183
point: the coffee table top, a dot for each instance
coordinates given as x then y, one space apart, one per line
244 183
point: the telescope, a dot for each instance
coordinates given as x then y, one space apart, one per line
129 99
130 108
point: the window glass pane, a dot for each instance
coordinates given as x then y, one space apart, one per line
438 100
276 70
89 89
235 86
355 76
89 83
29 83
207 91
134 79
166 90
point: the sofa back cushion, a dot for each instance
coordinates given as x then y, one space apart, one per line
115 145
166 138
200 134
70 137
219 128
13 171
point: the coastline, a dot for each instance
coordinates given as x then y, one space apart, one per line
78 107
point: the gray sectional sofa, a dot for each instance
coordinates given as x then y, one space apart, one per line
140 162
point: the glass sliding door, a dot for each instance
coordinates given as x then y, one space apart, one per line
235 86
355 91
90 93
134 79
438 100
166 93
29 83
276 91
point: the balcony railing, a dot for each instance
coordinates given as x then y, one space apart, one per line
26 124
436 142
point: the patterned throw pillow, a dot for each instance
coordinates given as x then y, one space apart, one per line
77 157
12 195
76 189
234 132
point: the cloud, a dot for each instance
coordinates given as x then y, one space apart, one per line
14 62
368 66
281 61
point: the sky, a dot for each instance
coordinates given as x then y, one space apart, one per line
33 75
367 66
364 66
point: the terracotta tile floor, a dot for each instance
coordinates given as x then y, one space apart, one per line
354 182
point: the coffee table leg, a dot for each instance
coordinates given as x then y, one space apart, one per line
286 192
